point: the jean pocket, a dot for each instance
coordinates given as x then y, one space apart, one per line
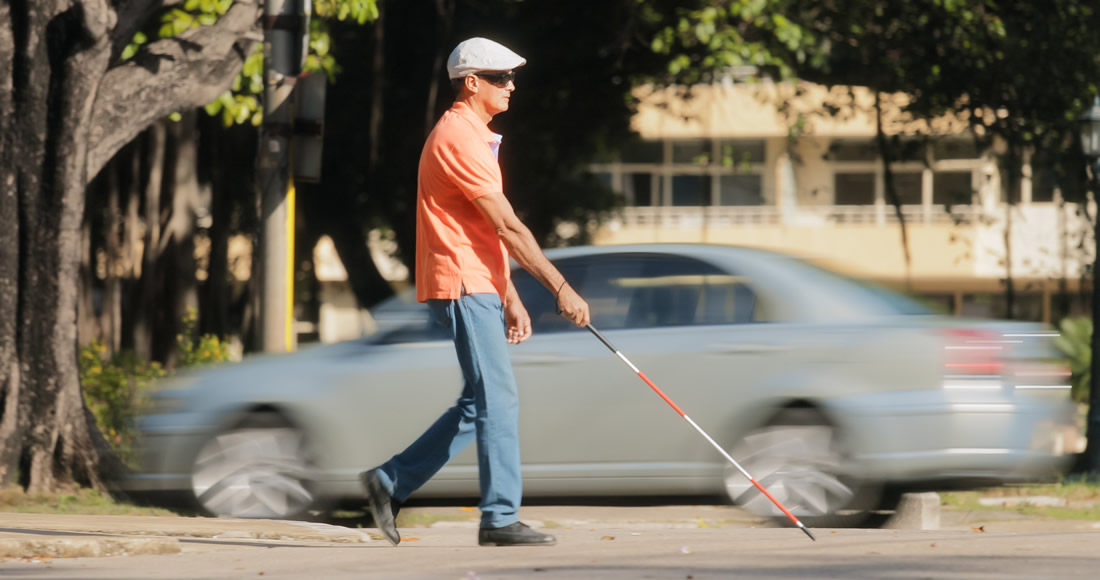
442 312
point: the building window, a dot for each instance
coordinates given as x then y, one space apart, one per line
740 155
948 149
689 172
695 152
643 152
908 186
851 150
641 189
740 190
952 188
854 188
690 190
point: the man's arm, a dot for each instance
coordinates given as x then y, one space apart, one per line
522 246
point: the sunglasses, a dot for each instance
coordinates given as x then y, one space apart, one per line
499 79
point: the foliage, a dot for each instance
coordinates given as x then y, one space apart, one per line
243 102
1017 70
116 385
1075 341
198 350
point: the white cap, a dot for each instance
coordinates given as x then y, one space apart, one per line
481 54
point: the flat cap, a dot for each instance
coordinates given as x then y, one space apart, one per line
481 54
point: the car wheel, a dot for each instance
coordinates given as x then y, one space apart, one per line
258 469
799 458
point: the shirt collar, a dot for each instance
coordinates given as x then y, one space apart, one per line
463 110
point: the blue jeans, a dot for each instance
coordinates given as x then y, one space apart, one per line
487 410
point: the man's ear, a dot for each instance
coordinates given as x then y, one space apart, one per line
471 83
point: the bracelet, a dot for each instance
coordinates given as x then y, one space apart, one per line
558 293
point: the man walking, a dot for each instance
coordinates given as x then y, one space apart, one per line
466 231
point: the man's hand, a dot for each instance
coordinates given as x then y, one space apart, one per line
572 306
518 322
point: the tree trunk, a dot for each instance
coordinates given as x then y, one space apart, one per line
178 292
215 295
63 114
891 190
87 324
1092 428
1011 189
144 316
59 51
11 393
111 314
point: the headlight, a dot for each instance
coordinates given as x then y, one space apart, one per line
163 404
169 395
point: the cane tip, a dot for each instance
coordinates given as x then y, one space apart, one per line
808 532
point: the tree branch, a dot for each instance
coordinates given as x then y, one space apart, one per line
133 15
171 75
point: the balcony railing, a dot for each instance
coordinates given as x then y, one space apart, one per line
725 216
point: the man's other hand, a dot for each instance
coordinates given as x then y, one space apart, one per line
518 322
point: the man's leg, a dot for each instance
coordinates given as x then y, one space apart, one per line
395 480
483 352
479 329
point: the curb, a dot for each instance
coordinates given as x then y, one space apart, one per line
149 527
86 547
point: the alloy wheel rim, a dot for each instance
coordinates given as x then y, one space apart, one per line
253 473
798 464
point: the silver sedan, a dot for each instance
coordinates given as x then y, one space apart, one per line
833 393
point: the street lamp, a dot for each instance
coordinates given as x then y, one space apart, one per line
1090 146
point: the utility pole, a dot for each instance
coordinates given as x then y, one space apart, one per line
286 34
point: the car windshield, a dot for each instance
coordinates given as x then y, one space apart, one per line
397 312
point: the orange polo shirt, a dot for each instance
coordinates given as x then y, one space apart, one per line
456 246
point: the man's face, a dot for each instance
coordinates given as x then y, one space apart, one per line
495 89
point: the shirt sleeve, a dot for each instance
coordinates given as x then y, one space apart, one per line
472 167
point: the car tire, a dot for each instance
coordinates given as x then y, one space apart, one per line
258 469
800 458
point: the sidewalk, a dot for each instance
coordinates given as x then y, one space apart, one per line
60 535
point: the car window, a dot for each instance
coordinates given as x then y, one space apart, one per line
418 327
637 290
869 293
540 302
682 291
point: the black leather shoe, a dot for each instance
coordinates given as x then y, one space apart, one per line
517 534
381 506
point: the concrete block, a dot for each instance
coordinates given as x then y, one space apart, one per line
916 511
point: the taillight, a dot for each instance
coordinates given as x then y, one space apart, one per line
983 360
974 359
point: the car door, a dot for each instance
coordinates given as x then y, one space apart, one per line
586 414
390 390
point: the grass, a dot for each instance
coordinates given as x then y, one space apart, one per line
1082 499
79 502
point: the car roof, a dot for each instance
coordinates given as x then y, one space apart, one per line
806 291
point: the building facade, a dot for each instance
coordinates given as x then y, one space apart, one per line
761 165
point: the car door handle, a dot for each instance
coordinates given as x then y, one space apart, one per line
542 359
749 348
